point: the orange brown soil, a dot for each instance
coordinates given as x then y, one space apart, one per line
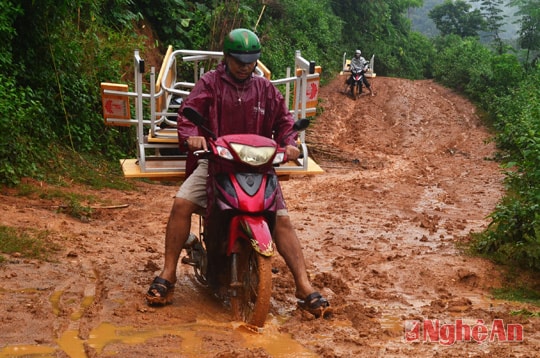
407 176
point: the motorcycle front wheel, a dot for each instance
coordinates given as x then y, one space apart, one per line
356 91
250 298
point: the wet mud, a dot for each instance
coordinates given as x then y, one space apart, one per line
408 176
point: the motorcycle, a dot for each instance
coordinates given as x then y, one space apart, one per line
356 81
232 253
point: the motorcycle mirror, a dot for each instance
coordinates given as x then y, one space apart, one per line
301 124
193 116
196 118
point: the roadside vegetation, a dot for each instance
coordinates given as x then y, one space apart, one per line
27 243
55 53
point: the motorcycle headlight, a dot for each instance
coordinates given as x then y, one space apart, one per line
254 156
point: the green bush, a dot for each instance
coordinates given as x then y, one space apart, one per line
295 22
182 24
22 129
511 97
514 234
461 64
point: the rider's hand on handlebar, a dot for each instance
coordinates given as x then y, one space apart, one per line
196 143
292 152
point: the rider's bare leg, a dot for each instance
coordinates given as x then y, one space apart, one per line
176 234
368 86
289 247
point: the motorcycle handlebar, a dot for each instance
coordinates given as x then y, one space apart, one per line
201 152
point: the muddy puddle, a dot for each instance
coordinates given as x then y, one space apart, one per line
103 338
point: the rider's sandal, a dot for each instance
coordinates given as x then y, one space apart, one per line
160 292
315 304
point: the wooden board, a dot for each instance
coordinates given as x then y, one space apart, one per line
312 92
162 101
168 135
161 169
115 106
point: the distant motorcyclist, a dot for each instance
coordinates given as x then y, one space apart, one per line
359 63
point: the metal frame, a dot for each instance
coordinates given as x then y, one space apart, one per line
150 134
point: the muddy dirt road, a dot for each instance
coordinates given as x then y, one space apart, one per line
407 176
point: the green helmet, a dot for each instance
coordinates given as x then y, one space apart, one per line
243 45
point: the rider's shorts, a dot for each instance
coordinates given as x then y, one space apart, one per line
194 189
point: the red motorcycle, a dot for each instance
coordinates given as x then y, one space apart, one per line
232 254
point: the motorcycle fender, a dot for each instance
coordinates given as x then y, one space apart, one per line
254 229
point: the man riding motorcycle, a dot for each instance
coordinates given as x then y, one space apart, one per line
235 101
359 63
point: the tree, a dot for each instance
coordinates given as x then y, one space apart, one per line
382 28
491 10
456 17
529 34
305 25
420 21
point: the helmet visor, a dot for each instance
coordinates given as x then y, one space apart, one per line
246 57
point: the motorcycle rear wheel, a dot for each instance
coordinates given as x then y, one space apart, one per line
250 301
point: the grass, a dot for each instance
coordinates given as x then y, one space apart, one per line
69 168
72 204
520 286
519 294
526 313
87 169
27 243
66 170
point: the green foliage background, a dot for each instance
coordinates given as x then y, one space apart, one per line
55 53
